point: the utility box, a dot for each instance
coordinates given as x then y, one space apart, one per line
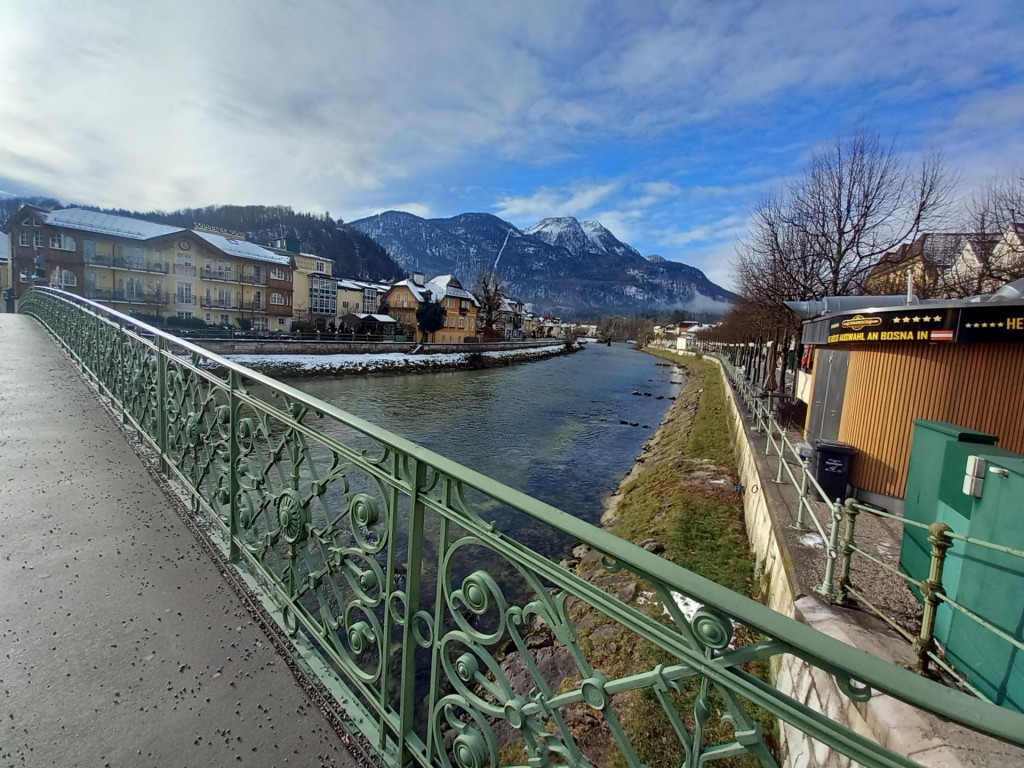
831 467
992 586
960 477
938 461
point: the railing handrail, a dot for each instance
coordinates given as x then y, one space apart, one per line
804 641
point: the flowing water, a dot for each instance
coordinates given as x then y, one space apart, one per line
550 428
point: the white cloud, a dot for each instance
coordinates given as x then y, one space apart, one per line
575 200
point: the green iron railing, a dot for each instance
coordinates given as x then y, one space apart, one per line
421 617
841 543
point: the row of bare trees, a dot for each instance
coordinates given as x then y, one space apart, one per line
857 202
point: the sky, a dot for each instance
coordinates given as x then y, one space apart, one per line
665 121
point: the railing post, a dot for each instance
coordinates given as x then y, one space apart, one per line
799 525
234 384
850 512
931 589
161 401
827 587
408 704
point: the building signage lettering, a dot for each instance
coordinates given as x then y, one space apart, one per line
921 324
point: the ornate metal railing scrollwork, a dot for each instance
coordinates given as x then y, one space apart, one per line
446 639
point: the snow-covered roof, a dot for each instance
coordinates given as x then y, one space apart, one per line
108 224
378 318
440 288
349 285
416 290
242 248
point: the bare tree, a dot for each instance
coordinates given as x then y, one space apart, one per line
490 292
993 252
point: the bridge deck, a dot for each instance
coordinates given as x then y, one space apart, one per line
120 642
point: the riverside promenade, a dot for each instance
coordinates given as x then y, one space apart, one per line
122 642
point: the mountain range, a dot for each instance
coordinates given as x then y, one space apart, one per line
560 265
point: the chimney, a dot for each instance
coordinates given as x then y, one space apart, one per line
417 279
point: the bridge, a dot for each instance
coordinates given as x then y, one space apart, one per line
202 564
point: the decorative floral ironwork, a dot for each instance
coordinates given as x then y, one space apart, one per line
447 641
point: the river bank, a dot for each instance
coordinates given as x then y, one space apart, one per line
284 366
680 502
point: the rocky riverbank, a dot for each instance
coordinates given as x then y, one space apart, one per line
284 366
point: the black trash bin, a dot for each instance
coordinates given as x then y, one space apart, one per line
832 462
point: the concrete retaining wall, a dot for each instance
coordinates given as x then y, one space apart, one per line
287 347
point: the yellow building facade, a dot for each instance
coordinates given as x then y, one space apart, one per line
461 308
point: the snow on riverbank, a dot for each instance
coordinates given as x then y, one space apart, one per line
387 361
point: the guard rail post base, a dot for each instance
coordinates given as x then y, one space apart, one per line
850 513
932 589
800 525
827 587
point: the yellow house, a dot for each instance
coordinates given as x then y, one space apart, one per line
460 306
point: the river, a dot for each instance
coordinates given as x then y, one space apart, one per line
549 428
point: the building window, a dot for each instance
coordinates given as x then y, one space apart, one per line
344 305
277 298
225 320
23 239
370 300
134 257
184 295
257 274
323 296
68 278
321 266
462 322
209 317
276 273
37 239
280 321
89 251
185 315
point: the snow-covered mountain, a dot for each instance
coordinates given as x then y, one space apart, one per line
560 265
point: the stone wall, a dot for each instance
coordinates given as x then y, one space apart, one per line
291 347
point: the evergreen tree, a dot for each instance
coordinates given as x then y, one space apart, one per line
430 317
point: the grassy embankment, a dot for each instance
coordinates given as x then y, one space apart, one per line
682 496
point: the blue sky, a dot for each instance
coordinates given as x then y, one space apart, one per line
665 121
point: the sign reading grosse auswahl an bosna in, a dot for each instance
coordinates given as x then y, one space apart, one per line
920 324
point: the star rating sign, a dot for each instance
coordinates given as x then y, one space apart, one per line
938 318
916 319
895 320
906 319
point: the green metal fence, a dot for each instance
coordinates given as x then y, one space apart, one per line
405 585
841 546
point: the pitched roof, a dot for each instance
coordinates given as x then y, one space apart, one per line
242 248
107 224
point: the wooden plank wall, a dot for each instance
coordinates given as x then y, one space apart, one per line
979 386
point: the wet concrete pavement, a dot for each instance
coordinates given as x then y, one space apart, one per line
121 644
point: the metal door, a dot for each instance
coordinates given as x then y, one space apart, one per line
829 390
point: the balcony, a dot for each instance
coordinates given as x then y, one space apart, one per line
218 302
132 265
230 276
254 305
185 269
224 275
158 298
185 299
